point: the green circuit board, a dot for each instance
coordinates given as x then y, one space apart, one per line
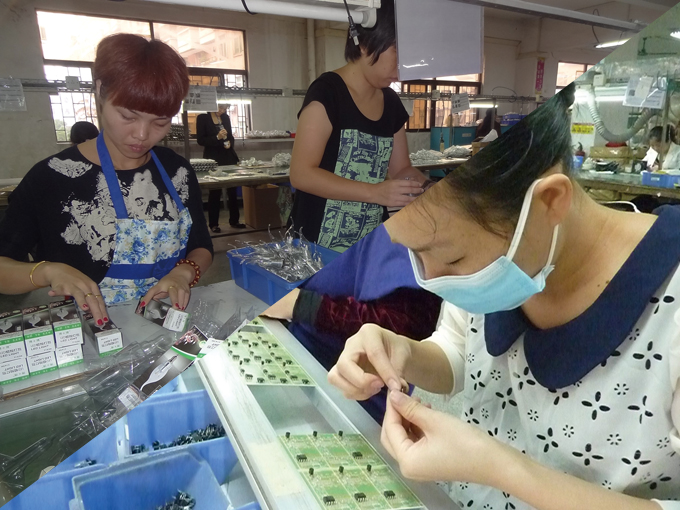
262 360
346 473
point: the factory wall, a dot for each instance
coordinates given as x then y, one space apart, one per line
276 46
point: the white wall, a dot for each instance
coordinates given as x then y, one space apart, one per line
277 55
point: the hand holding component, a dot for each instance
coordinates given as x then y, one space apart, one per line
372 358
396 193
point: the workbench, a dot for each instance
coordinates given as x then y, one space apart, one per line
623 184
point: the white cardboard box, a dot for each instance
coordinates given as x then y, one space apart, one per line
42 363
107 338
67 356
38 332
11 336
68 330
12 371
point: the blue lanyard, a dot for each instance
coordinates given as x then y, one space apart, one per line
114 187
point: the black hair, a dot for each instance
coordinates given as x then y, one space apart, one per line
486 126
491 186
374 40
656 133
83 131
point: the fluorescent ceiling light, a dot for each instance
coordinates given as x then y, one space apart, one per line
580 99
481 105
676 34
611 44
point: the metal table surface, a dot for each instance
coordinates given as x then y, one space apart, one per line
624 184
256 416
26 419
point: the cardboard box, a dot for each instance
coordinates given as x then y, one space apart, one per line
11 336
68 329
12 371
42 363
260 206
107 338
68 356
38 332
164 315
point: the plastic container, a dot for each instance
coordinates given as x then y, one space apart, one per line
170 387
149 482
263 284
54 490
104 449
659 180
166 417
510 119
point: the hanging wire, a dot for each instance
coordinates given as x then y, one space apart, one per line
246 8
353 32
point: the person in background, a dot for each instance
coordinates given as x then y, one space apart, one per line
114 218
668 148
350 158
82 131
370 283
561 329
213 132
490 121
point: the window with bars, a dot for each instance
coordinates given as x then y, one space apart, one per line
429 113
214 57
70 107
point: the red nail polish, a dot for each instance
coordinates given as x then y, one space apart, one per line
85 306
143 304
176 305
106 319
100 322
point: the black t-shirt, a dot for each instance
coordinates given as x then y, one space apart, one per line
62 209
358 149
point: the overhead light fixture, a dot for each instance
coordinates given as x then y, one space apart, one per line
482 105
676 34
611 44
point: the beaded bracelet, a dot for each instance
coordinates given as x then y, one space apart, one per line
196 268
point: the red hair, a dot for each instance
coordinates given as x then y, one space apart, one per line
141 75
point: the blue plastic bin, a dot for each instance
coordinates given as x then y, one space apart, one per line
263 284
54 490
103 449
660 180
168 416
149 482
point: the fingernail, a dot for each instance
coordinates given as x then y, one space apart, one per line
397 397
85 306
100 322
394 385
176 305
106 319
377 385
143 303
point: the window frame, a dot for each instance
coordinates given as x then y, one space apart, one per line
193 71
431 104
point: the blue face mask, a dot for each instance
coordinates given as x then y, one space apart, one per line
500 286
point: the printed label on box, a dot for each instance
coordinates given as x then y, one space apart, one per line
9 352
109 342
191 343
164 315
36 345
67 356
66 323
12 371
210 346
176 320
11 327
42 363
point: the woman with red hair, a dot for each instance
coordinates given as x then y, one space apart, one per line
113 218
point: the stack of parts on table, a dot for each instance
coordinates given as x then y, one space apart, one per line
109 474
204 165
44 338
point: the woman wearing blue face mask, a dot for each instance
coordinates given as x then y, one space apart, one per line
561 328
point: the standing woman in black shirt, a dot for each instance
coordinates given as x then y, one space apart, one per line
350 137
114 218
213 133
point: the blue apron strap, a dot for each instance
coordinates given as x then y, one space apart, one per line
111 179
168 183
